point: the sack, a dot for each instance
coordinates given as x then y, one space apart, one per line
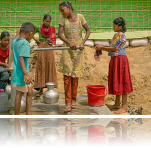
127 43
89 43
139 42
58 43
103 43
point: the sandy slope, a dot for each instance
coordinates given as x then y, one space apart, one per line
96 72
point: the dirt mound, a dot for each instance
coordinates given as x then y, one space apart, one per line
96 72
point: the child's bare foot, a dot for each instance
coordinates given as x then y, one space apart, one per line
123 122
74 106
67 122
114 107
114 125
38 94
74 126
67 109
28 113
122 110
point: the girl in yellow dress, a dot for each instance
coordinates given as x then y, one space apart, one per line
72 60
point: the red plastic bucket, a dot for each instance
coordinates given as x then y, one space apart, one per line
96 137
96 94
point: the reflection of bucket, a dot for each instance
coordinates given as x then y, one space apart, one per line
96 135
96 94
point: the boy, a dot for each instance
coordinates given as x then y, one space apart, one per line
21 54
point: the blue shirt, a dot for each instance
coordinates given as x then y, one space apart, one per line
119 43
21 48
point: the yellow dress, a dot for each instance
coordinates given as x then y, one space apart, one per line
72 62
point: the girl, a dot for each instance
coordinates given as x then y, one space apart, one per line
4 53
45 66
119 79
71 64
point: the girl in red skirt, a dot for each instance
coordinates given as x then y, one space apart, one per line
119 78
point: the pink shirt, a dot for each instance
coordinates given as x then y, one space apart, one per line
4 55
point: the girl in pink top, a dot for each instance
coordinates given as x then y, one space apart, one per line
4 53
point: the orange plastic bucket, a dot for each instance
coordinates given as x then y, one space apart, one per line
96 94
96 137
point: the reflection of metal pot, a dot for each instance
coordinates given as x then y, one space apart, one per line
23 126
50 135
50 96
23 104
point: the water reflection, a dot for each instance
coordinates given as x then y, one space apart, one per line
72 132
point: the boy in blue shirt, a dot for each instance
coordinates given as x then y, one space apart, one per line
21 54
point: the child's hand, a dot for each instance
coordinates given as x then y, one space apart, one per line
6 65
27 79
72 46
82 46
99 47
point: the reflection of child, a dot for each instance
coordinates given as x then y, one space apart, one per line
19 136
21 54
119 141
4 53
119 79
72 63
70 134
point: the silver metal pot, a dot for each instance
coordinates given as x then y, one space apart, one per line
8 89
50 135
50 96
23 104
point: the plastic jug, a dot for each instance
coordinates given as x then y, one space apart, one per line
3 102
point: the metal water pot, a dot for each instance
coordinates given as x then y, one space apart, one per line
51 135
50 96
23 104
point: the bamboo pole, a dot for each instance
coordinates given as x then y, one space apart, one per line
55 48
11 106
81 11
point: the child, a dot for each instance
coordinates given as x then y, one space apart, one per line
4 53
21 54
71 63
119 78
45 65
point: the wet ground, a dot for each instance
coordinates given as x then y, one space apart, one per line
75 132
41 108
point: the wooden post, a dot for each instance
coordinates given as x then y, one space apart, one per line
11 105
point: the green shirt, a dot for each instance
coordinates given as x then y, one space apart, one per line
41 37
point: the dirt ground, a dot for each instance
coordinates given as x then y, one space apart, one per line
96 72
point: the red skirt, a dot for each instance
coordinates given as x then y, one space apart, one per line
119 79
120 142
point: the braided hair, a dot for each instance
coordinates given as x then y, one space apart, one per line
67 4
120 22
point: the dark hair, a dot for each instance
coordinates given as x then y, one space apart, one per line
47 16
26 27
67 4
4 34
120 22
